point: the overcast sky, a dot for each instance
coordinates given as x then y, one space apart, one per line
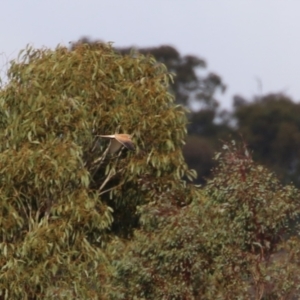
243 41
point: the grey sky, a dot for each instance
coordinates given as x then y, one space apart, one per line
241 40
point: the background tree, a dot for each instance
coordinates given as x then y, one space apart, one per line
63 197
271 127
188 85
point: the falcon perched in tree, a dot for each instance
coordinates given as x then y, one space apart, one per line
119 140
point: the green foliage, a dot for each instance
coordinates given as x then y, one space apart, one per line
62 196
194 87
250 213
188 86
252 201
231 242
271 127
165 258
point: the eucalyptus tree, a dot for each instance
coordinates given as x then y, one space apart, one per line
64 196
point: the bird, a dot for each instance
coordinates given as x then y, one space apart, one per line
119 140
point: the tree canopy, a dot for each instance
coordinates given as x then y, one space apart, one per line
188 85
196 88
62 195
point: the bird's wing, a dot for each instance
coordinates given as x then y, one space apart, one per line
128 144
117 140
125 141
114 146
111 136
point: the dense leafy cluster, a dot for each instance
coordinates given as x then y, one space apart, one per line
62 195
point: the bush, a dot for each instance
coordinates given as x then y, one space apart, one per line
232 242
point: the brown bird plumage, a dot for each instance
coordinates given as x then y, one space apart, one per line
119 140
